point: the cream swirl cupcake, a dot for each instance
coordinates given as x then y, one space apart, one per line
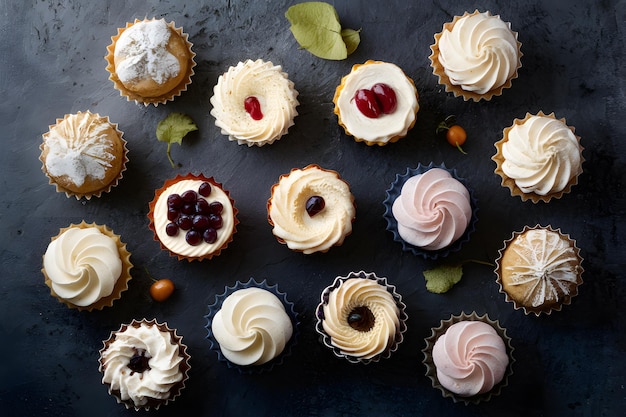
539 270
144 364
539 157
361 317
430 211
384 88
252 326
476 56
311 209
86 266
254 103
468 358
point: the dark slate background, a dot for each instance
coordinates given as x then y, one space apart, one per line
568 364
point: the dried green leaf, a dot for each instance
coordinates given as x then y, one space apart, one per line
351 38
173 129
439 280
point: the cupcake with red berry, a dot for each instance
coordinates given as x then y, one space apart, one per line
193 217
376 103
254 103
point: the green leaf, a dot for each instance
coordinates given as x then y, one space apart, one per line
316 27
173 129
439 280
351 38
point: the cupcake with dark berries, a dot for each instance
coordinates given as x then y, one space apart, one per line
193 217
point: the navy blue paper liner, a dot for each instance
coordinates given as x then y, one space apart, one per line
289 308
327 340
392 225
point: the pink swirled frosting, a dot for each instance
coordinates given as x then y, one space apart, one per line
470 358
433 210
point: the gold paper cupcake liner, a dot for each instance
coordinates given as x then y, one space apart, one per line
137 98
95 193
456 90
121 284
509 183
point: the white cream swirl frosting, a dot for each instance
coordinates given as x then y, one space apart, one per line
470 358
292 223
252 327
542 155
353 295
433 210
388 126
545 267
480 53
270 86
83 265
163 364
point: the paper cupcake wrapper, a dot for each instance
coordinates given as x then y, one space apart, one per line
95 193
166 185
327 340
269 204
537 311
509 183
392 225
289 308
184 364
132 96
444 80
337 110
431 370
121 284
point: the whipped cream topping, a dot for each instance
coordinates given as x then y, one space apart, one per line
480 52
352 294
542 155
83 265
387 126
80 147
292 223
433 210
177 244
252 327
545 267
470 358
144 53
270 86
163 371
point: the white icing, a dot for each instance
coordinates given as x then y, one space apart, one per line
387 126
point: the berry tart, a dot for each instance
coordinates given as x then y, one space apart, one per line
193 217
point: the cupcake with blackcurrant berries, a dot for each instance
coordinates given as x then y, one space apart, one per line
311 209
87 266
376 103
150 61
193 217
254 103
430 210
361 317
469 358
252 326
476 56
144 364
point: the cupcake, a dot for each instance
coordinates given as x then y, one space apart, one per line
193 217
83 155
254 103
252 326
539 270
311 209
539 157
150 61
361 317
476 56
430 211
376 103
86 266
469 358
144 364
